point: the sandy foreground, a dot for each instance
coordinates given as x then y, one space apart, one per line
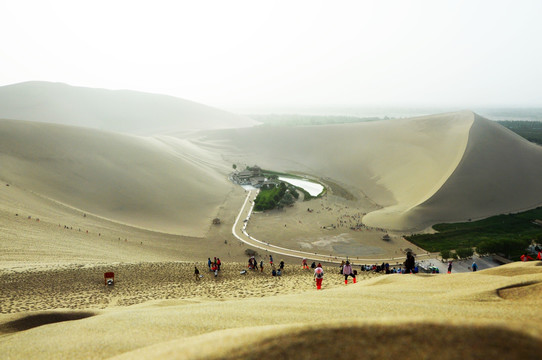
63 225
159 310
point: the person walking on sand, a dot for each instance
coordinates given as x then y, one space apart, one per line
261 266
196 273
271 260
409 263
319 276
450 267
347 271
209 263
304 264
474 266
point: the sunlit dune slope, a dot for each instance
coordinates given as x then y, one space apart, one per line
468 316
500 172
114 110
135 180
418 171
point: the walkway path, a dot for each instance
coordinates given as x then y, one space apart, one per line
239 230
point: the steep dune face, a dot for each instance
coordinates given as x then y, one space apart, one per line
112 110
397 163
134 180
418 171
500 172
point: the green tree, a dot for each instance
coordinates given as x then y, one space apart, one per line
445 254
465 253
287 199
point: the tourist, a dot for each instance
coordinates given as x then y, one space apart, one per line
304 264
450 267
313 265
319 276
218 263
525 257
281 265
347 271
214 268
271 260
261 266
409 263
196 273
209 263
474 266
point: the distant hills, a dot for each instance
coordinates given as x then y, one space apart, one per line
406 174
112 110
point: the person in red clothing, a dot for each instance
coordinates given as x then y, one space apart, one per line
347 271
539 256
319 276
305 265
525 257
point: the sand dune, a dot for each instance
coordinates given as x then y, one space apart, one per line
416 172
113 110
53 302
498 173
405 174
461 315
130 179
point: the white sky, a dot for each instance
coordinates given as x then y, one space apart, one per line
271 53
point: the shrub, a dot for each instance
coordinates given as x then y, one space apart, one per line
445 254
465 253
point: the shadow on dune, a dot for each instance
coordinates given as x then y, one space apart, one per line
523 291
407 341
32 321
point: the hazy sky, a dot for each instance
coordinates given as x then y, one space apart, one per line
274 53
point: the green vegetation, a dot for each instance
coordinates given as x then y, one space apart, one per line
268 199
445 254
464 253
504 234
276 197
530 130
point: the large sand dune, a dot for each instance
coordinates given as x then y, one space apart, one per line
418 171
406 173
134 180
114 110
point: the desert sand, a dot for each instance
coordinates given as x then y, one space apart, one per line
403 173
158 310
78 201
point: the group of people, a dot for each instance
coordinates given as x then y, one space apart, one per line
214 266
253 264
346 270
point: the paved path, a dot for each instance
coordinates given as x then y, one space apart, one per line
239 230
